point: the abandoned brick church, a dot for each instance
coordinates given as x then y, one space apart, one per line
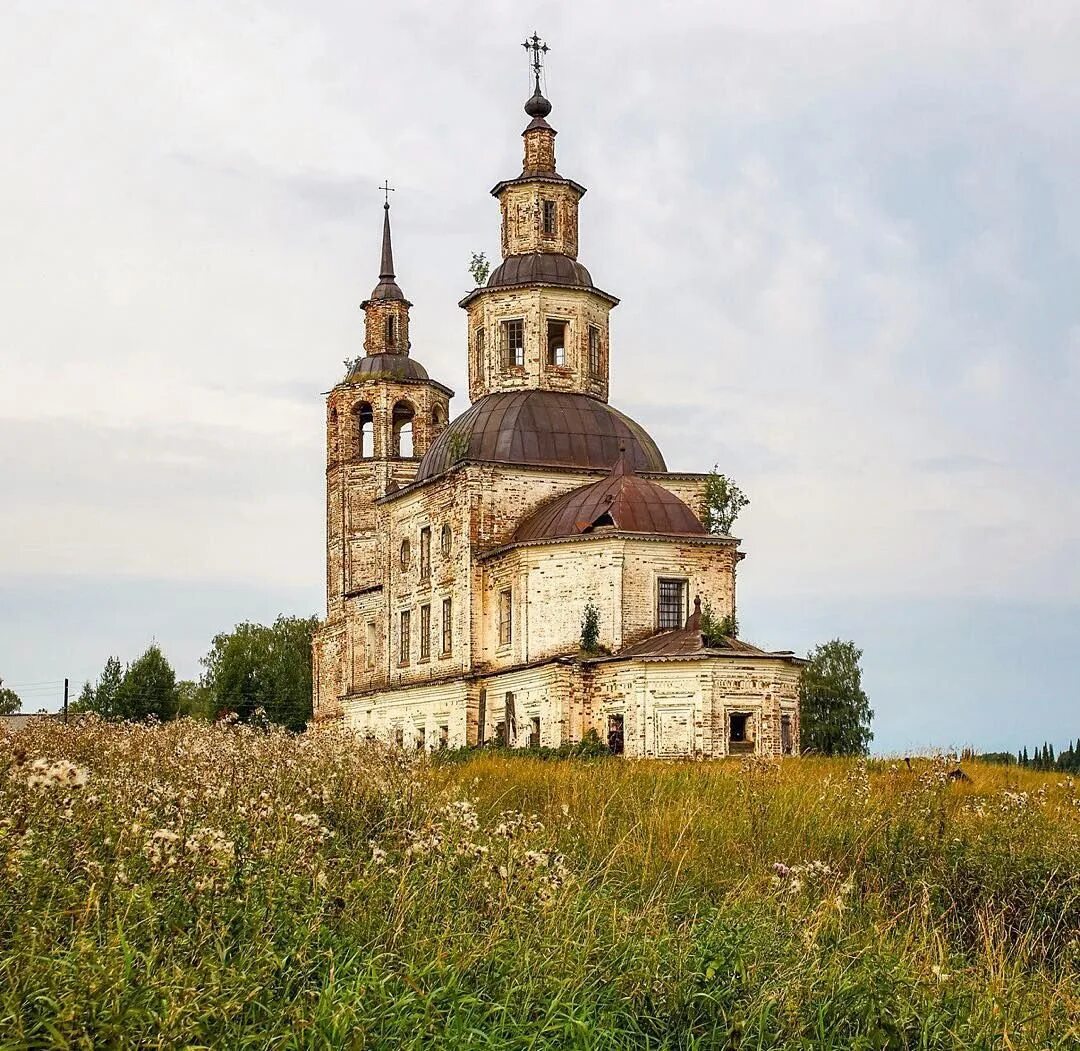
461 554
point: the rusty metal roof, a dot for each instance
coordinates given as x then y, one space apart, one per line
622 501
547 268
552 428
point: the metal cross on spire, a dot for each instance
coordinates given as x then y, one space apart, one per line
536 60
387 189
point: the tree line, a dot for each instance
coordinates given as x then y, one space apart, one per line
1067 760
251 667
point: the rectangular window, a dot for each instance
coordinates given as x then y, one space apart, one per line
369 644
403 637
444 737
506 626
594 350
425 553
787 744
549 218
512 336
391 330
447 627
478 351
425 633
399 736
556 342
670 604
615 729
534 732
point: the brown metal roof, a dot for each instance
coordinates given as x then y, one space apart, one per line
545 268
622 501
542 427
386 366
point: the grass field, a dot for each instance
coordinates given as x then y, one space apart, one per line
189 885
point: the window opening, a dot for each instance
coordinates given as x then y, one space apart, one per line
787 744
403 639
402 429
556 342
425 633
549 221
444 737
446 541
399 736
615 734
534 732
671 604
404 554
506 626
512 336
739 733
365 431
391 330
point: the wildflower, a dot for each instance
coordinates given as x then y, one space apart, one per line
781 869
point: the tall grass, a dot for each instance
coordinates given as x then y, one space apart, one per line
222 886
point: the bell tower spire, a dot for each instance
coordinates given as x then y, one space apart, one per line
386 310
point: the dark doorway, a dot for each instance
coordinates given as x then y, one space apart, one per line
615 741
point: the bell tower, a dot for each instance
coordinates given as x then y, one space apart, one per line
380 419
539 323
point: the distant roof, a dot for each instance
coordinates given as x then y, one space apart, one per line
622 501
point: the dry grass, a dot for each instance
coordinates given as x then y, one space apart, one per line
190 885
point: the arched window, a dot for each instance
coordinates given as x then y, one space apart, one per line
402 430
332 436
364 422
404 554
446 541
438 419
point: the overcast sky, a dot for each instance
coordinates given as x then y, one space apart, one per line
846 237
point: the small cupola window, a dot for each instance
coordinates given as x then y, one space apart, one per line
549 220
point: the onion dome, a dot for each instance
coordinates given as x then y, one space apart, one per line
622 501
544 428
537 107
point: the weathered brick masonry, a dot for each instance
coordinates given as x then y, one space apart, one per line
461 556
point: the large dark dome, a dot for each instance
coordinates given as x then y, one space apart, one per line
542 427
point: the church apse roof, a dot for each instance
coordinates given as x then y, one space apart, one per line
622 501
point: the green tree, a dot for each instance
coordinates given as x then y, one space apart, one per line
193 700
10 702
479 267
259 666
590 627
148 688
835 713
102 699
714 629
724 500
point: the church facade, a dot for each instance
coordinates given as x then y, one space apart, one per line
464 556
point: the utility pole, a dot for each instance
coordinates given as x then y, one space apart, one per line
65 700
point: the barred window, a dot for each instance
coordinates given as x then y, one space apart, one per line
512 336
670 604
506 627
594 350
447 626
403 637
549 218
425 633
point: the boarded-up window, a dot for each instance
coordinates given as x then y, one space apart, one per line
425 553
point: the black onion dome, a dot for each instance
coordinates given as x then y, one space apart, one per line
541 427
540 268
537 106
386 366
